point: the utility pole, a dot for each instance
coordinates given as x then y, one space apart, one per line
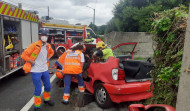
93 17
48 13
20 5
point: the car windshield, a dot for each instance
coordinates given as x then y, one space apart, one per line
124 50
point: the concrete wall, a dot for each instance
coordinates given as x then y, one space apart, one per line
183 96
144 47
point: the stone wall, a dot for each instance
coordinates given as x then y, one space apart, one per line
144 47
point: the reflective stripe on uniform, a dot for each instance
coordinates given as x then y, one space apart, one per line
37 101
34 55
81 88
59 64
66 97
46 96
70 57
72 64
66 94
73 54
60 72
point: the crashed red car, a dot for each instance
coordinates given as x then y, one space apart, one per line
120 78
152 107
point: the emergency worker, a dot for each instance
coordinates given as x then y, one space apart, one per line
72 64
89 39
37 57
103 51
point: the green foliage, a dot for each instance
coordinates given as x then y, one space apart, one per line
139 58
137 15
169 30
92 26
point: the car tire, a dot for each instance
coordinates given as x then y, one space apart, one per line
102 97
60 51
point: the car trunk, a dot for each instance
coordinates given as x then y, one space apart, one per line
136 70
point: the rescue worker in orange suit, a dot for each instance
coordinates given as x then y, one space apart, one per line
72 64
37 57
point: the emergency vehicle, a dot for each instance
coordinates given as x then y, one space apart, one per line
60 34
18 29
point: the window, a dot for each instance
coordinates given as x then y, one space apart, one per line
91 33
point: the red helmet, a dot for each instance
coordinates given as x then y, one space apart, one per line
59 73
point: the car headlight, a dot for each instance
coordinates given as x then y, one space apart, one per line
115 74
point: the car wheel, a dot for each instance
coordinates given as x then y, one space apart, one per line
102 97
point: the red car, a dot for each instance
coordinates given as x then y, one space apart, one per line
120 78
152 107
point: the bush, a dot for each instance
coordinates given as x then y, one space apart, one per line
169 33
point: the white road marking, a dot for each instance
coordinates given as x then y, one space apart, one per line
31 102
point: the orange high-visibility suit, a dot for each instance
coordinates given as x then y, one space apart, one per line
32 52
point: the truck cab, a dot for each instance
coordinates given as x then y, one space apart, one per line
60 34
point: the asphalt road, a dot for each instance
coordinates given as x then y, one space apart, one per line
16 91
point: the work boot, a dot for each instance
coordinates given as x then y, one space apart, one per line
50 103
37 109
65 102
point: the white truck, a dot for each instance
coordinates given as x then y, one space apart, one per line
18 29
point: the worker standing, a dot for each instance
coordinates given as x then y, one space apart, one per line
72 64
37 57
103 51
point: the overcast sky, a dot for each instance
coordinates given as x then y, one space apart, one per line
74 11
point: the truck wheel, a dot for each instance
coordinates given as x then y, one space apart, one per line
102 97
60 51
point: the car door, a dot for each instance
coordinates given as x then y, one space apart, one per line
124 50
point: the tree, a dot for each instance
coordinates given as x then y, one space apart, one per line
78 24
92 26
136 15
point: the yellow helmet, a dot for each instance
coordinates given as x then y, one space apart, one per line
101 44
88 33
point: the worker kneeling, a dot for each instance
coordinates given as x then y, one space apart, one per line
59 73
72 61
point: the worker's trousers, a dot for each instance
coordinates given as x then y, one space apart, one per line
67 82
36 78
